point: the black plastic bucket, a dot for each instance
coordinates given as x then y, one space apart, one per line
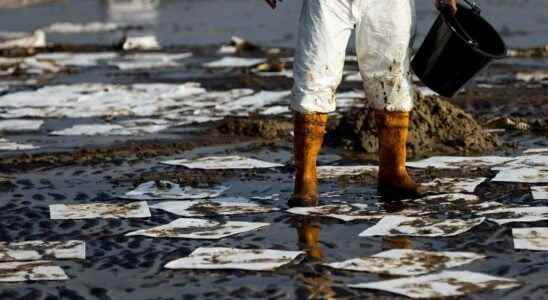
455 49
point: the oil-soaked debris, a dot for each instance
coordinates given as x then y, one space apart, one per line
31 271
531 238
507 123
505 215
165 190
99 210
344 212
444 284
199 229
420 226
6 145
36 250
213 207
222 162
536 52
234 62
338 171
458 162
20 125
232 258
407 262
539 192
454 185
18 40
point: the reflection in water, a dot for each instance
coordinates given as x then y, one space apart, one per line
317 281
394 242
133 12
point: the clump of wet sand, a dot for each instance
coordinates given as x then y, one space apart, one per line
437 127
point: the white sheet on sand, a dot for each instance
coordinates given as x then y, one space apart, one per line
528 169
524 175
6 145
73 28
540 192
454 185
99 210
536 150
344 212
420 226
149 60
95 100
234 62
458 162
250 103
20 125
40 270
146 42
199 229
108 129
531 238
87 59
444 284
505 215
222 162
232 258
337 171
213 207
164 190
407 262
36 250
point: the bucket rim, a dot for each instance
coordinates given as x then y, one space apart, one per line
447 18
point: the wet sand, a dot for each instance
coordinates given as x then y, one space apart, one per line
77 169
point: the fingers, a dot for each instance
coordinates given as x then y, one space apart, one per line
271 3
446 5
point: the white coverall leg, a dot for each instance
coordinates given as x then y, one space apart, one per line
384 34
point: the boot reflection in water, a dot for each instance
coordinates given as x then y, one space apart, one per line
317 281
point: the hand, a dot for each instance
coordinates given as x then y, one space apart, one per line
272 3
446 5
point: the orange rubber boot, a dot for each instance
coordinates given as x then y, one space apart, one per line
394 182
309 130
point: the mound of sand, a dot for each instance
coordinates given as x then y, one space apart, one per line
438 127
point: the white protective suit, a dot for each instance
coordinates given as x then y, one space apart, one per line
384 33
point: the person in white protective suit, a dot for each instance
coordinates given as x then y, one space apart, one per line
384 31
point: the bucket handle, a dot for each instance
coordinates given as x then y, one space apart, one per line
457 28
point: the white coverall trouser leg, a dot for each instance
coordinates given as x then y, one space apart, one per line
384 34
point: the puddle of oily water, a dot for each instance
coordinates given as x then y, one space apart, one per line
99 210
407 262
444 284
31 271
35 250
164 190
531 238
213 207
415 226
233 258
222 162
200 229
